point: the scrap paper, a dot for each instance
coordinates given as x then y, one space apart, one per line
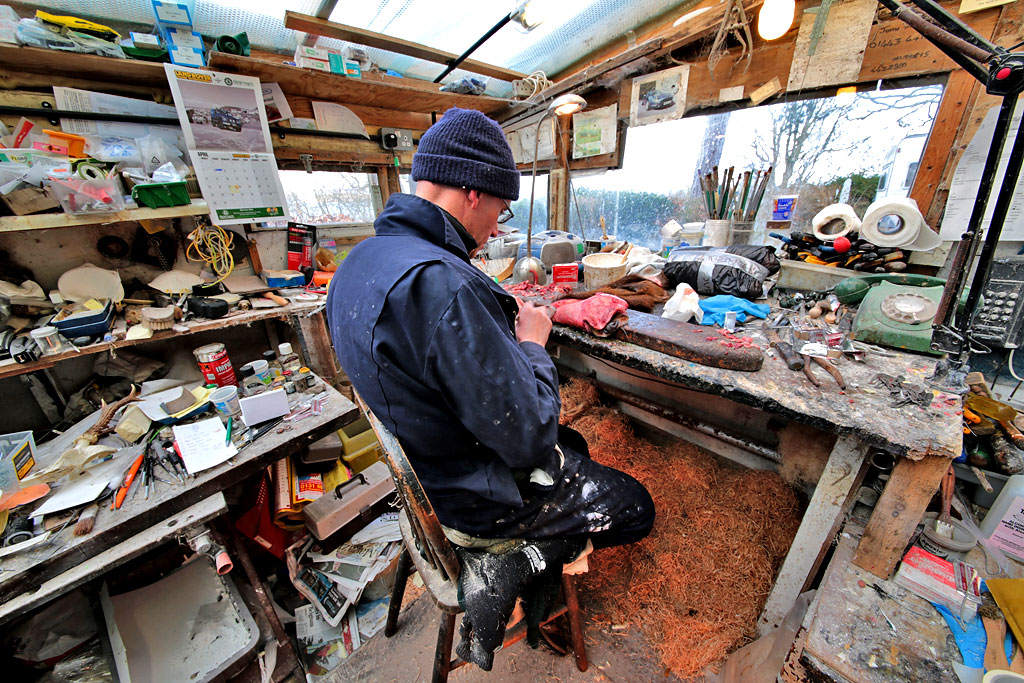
85 487
72 99
201 444
967 180
659 96
338 118
594 132
275 103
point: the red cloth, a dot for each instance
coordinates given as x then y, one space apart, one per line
593 313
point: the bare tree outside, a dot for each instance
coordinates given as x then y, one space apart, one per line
329 197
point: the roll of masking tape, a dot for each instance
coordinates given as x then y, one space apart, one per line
834 222
88 171
897 222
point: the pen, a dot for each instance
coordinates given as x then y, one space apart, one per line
123 491
227 441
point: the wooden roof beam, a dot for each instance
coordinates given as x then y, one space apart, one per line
351 34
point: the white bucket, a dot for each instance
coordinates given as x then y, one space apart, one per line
691 234
600 269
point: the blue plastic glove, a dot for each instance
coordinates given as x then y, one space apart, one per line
973 641
716 307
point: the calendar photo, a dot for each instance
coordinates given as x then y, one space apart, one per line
220 111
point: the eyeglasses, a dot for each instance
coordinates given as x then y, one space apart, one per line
506 214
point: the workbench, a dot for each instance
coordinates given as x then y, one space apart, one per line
35 576
846 636
774 414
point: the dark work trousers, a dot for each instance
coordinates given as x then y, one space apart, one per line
588 499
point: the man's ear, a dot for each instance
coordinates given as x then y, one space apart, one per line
474 198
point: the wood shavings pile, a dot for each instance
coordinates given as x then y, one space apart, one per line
697 584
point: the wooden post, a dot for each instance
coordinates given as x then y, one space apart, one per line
382 183
316 342
394 185
826 511
900 507
558 200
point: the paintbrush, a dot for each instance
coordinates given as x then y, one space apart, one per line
87 520
995 630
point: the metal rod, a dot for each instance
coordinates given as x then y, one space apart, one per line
999 211
454 64
953 25
947 316
965 54
47 113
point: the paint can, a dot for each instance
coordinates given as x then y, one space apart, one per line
215 365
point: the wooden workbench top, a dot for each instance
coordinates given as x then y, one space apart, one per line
30 568
863 410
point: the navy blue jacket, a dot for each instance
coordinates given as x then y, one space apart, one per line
428 341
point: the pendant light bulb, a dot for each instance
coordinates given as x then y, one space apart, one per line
775 18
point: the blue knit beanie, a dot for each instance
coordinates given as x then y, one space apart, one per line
467 149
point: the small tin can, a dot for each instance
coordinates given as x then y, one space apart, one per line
289 387
302 381
215 365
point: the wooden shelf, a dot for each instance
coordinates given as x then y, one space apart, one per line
337 88
92 67
45 221
10 368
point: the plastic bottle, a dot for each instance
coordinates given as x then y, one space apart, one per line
251 384
275 365
289 359
1004 523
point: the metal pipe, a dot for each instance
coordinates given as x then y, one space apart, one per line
673 416
48 113
454 64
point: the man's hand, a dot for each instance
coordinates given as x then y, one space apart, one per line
533 322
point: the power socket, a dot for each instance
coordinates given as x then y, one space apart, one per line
396 139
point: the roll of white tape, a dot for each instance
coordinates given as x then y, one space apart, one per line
897 222
88 171
835 221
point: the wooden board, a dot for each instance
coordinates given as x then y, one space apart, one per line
337 88
167 530
359 36
899 509
687 341
32 567
45 221
9 368
862 410
825 513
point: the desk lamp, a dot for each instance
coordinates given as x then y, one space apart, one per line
530 267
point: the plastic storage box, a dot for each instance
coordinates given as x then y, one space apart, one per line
156 195
84 323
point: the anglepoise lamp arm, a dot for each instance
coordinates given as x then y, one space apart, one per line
564 105
517 15
1002 73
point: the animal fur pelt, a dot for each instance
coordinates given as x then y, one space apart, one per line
639 292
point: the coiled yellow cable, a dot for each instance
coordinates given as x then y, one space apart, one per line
211 244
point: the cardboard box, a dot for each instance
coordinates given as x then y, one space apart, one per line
316 64
183 38
187 56
145 40
346 67
309 52
175 13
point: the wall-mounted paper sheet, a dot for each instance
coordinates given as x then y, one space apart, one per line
659 96
594 132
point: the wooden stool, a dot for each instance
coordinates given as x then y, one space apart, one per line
429 551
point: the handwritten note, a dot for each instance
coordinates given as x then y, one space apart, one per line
201 444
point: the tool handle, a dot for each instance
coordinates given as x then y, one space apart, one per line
277 299
793 360
1013 433
123 491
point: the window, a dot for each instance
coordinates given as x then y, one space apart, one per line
911 174
813 147
331 197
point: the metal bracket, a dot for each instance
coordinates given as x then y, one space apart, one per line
307 162
819 24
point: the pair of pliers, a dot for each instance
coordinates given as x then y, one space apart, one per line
832 370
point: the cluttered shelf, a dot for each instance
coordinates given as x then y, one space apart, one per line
10 368
44 221
335 87
32 567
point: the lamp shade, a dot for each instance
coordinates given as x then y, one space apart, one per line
566 104
526 18
775 18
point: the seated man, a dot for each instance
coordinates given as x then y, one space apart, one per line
456 368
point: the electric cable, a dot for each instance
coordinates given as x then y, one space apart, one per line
211 244
1010 364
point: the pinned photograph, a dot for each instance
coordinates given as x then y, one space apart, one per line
220 111
659 96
